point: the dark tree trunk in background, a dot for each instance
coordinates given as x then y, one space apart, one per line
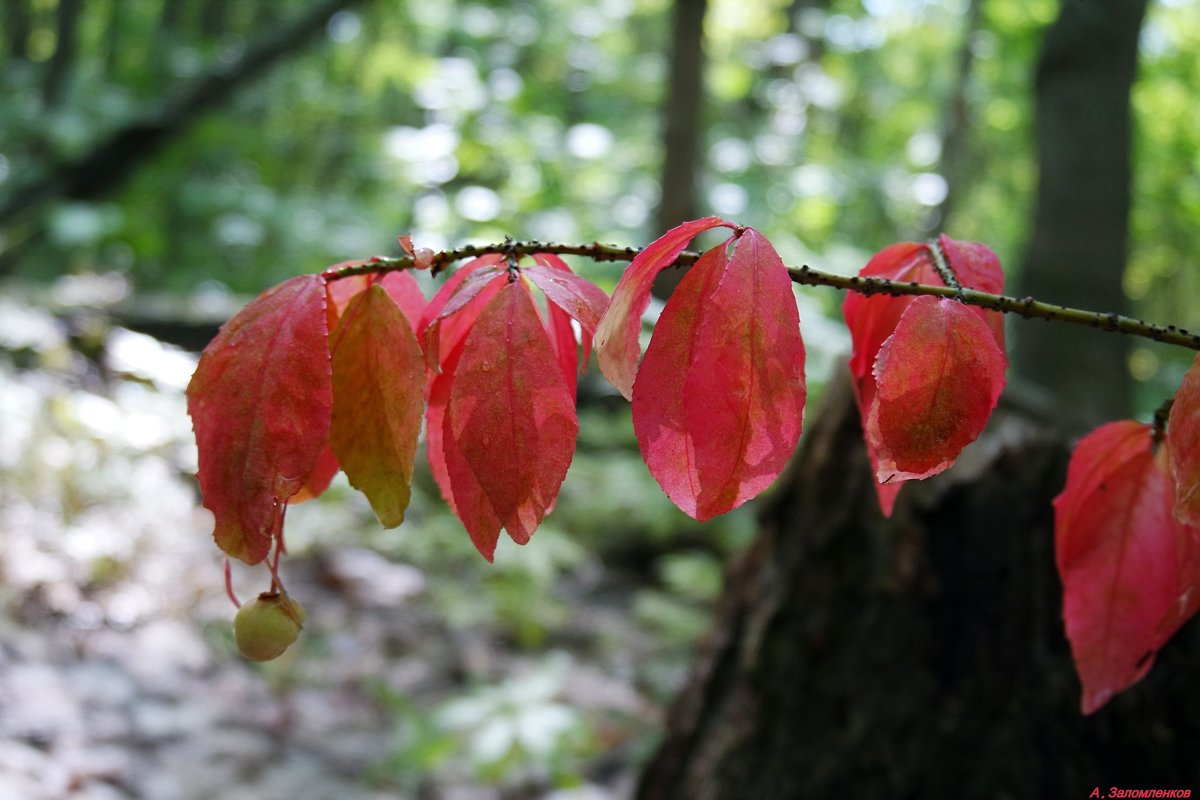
16 24
114 39
682 108
1080 230
923 657
214 18
956 122
59 69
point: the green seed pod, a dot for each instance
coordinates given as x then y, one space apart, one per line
267 626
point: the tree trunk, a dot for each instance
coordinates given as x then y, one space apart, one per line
956 123
682 110
921 657
17 23
59 69
1080 229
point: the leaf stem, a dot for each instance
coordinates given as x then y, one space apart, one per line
942 264
1026 307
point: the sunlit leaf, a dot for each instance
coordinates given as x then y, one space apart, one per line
260 402
937 380
378 388
617 347
510 418
442 323
872 319
719 398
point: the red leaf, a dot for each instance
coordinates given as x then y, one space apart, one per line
378 383
510 418
568 297
443 324
402 287
1183 446
322 475
938 377
339 293
260 403
974 264
872 319
1128 567
437 396
719 399
585 302
451 334
617 346
562 342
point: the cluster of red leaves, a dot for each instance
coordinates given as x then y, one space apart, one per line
719 397
317 375
501 424
332 372
310 377
927 371
1127 544
328 372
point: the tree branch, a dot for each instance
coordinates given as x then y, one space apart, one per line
114 159
1026 307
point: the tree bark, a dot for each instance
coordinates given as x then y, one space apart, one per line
921 657
1080 227
683 107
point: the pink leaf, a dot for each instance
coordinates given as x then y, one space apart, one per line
617 346
1128 567
402 287
562 341
568 294
443 325
938 377
718 402
585 302
511 419
872 319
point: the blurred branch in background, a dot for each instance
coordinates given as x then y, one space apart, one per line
114 159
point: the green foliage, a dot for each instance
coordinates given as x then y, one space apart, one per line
469 122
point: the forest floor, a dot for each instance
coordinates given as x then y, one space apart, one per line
422 672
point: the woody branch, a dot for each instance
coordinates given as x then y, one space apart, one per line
1026 307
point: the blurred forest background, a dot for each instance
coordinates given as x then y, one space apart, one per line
161 161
